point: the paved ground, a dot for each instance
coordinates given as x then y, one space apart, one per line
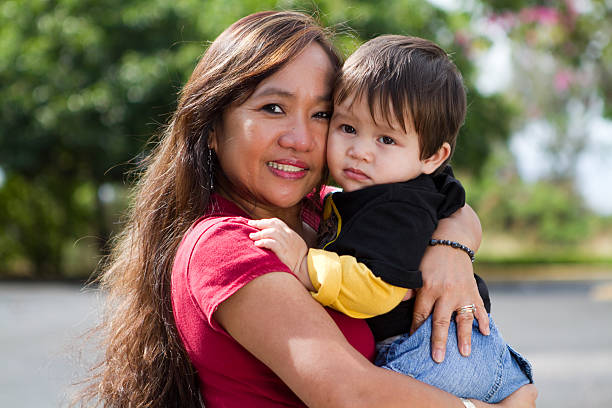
564 328
40 325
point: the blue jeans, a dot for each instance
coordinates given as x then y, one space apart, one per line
491 372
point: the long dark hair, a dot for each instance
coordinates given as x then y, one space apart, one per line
145 364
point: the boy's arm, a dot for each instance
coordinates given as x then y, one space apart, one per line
340 282
349 286
387 242
287 244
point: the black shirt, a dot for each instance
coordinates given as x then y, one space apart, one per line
387 227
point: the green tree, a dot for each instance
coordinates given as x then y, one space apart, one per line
489 119
84 84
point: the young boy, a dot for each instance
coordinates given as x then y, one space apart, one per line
398 106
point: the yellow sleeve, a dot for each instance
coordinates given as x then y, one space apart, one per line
349 286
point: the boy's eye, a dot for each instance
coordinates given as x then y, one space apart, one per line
272 108
386 140
348 129
323 115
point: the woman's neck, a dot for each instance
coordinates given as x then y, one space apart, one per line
290 216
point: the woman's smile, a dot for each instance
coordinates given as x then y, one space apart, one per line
289 169
271 147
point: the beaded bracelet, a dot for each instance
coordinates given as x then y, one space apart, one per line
453 244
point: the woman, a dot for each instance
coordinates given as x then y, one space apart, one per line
192 306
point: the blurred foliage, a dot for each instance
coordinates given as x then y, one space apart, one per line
562 62
541 213
489 117
84 84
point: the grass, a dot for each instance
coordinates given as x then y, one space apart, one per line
511 257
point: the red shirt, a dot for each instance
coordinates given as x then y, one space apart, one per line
214 260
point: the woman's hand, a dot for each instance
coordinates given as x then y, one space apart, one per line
448 284
279 322
524 397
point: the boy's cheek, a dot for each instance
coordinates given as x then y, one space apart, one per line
330 158
329 136
335 154
332 145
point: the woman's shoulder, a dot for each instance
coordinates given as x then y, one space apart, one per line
216 258
214 231
216 239
221 217
224 224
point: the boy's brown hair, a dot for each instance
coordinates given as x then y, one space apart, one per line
407 78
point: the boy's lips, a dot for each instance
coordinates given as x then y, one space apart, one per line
355 174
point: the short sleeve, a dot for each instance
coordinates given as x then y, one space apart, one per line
451 188
217 258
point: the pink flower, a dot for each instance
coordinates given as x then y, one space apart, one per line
541 15
506 20
563 79
462 38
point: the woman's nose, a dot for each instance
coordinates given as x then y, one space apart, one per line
299 137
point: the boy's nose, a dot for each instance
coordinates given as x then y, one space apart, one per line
360 152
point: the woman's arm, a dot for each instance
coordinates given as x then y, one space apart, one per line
276 320
448 283
339 282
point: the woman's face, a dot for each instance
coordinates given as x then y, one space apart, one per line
271 147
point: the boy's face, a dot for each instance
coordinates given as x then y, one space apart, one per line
362 152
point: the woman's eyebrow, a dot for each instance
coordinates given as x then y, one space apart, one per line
274 91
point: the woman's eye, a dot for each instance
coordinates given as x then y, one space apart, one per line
272 108
348 129
323 115
386 140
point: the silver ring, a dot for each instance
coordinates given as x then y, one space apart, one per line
466 309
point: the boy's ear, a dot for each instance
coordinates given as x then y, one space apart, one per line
434 161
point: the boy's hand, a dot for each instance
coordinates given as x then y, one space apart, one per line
290 248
